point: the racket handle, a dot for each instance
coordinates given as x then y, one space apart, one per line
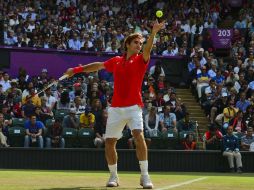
63 77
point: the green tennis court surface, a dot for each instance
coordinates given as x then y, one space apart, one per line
78 180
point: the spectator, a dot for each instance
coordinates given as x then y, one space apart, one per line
247 141
218 107
87 119
242 103
28 108
202 80
3 129
189 142
99 129
50 100
96 108
152 122
5 82
41 115
229 113
44 109
167 120
156 70
71 120
59 90
33 132
54 135
78 105
231 150
238 123
35 99
186 124
64 101
212 138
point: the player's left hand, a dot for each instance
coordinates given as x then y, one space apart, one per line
158 26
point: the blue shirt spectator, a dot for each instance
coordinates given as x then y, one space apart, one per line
242 103
33 127
230 142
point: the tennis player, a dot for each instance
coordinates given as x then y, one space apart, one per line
128 71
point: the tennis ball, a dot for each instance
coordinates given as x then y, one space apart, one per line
159 13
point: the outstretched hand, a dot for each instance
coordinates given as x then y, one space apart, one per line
157 26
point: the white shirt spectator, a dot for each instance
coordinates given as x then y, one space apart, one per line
202 61
194 28
74 44
31 27
248 62
211 73
209 25
80 110
6 85
109 49
13 22
172 52
186 28
50 101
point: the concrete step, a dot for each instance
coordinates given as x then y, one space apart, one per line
195 110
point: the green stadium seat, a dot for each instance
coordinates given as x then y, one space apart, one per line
169 139
16 136
59 114
18 122
86 137
49 122
70 136
156 141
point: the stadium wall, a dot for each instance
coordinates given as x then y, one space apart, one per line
33 60
93 159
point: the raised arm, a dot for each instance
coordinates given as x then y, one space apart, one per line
91 67
148 46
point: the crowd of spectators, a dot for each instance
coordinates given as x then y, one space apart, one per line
92 25
224 88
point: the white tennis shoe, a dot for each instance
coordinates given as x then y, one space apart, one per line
113 181
146 182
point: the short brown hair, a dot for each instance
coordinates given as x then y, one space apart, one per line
131 37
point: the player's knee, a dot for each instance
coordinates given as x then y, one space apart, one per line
138 135
110 142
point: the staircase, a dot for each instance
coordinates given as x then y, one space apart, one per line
196 113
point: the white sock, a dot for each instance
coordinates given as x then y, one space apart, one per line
143 167
113 169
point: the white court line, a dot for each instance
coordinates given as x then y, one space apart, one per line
183 183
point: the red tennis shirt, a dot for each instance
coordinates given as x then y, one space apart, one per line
128 78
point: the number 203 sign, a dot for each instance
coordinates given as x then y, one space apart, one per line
221 37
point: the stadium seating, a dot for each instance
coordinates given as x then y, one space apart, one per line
16 136
18 122
86 137
59 114
70 136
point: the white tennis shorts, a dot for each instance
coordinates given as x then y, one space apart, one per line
118 117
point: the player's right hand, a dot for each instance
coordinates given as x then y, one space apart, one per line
69 72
